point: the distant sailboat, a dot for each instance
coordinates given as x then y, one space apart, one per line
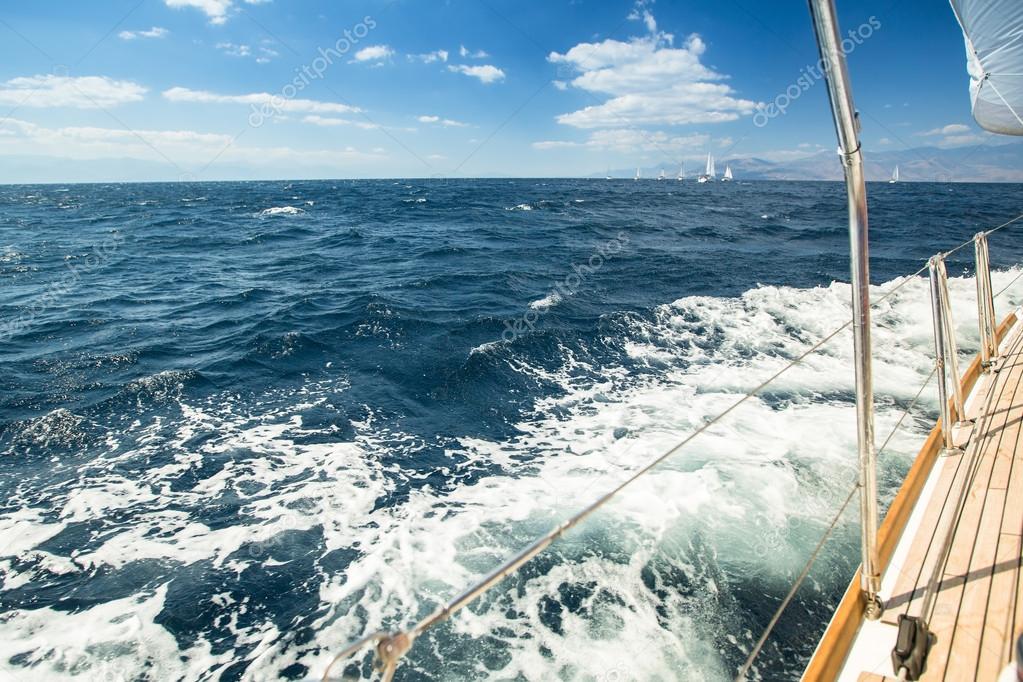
709 173
682 172
637 175
728 174
608 173
662 175
895 176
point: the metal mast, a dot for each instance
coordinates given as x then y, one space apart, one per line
829 40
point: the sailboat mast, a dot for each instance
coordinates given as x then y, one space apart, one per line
836 75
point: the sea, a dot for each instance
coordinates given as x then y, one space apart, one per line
242 425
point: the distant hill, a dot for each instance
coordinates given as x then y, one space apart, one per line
976 163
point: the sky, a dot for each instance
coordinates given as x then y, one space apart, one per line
266 89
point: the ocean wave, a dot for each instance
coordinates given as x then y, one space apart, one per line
335 464
685 528
281 210
58 428
548 301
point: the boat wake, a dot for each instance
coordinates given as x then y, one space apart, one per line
236 535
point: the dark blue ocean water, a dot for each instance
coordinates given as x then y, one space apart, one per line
244 423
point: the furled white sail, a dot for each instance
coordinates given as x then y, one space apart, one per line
994 54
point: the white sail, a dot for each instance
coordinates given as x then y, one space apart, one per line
637 174
709 171
661 176
895 175
728 173
682 171
994 60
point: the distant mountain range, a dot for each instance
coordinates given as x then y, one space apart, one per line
975 163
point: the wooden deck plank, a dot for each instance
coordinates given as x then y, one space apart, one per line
967 638
838 640
912 582
1003 609
961 604
951 592
922 553
996 642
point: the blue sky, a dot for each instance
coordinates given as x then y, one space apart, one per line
216 89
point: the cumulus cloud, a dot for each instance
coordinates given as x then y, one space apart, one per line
373 53
466 53
950 129
155 32
486 73
277 102
446 122
430 57
648 81
216 10
952 135
641 12
86 92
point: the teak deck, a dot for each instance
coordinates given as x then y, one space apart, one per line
975 612
978 610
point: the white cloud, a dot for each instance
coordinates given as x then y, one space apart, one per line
373 53
86 92
446 122
560 85
950 129
953 135
185 147
155 32
275 102
650 82
216 10
266 54
430 57
333 121
99 140
641 13
235 50
261 54
466 53
628 140
486 73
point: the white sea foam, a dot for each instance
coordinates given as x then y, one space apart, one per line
648 568
549 301
520 207
281 210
